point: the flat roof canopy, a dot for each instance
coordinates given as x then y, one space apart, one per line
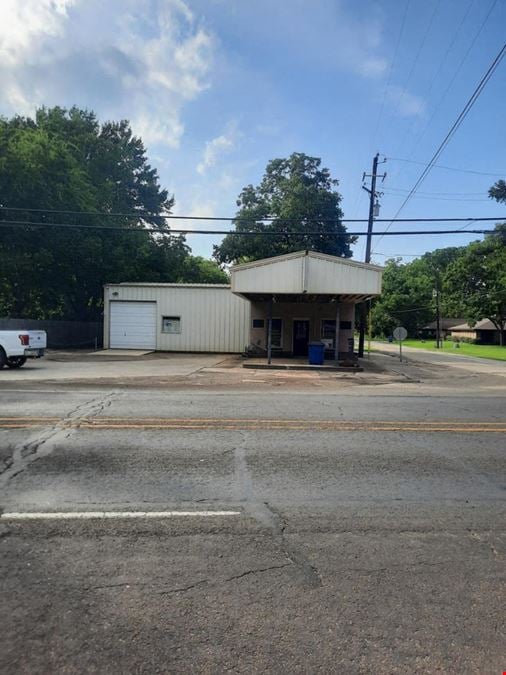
306 274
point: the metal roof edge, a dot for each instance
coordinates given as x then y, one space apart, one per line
166 285
311 254
268 261
345 261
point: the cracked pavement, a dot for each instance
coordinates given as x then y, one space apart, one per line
353 551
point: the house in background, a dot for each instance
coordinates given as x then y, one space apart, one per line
303 297
445 325
484 332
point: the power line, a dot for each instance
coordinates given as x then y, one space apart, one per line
146 215
413 309
398 255
155 230
464 227
441 64
389 79
440 199
463 114
432 194
418 53
450 45
448 168
385 91
234 219
457 71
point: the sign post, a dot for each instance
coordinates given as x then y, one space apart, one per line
400 334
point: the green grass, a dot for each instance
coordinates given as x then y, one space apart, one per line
483 351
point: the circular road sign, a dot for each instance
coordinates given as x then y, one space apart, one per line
400 333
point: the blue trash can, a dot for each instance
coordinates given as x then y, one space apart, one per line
316 351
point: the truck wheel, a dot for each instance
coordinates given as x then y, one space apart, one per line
16 362
3 358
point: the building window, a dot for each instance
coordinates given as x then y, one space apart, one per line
328 329
258 323
171 324
277 334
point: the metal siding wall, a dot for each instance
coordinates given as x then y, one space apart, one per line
323 276
212 319
284 276
328 277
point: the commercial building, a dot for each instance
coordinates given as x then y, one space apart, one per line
275 305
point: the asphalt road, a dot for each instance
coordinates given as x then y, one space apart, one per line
325 532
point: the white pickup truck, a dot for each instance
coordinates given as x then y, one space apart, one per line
18 345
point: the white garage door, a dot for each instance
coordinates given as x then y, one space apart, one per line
132 325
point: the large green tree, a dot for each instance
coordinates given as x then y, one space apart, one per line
65 160
407 294
479 278
299 195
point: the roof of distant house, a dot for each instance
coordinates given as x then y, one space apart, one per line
444 323
484 324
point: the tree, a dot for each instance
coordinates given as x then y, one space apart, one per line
498 191
299 196
196 269
64 160
407 293
479 278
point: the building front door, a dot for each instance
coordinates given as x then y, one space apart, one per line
300 337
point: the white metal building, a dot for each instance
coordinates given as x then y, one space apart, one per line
175 317
292 299
304 297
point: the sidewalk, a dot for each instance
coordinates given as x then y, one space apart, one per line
181 371
421 356
419 372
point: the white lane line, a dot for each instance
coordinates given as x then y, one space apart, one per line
89 515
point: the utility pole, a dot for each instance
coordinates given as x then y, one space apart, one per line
373 206
438 318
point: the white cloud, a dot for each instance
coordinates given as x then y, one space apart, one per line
22 22
139 59
405 103
217 147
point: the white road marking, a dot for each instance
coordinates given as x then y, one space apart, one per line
89 515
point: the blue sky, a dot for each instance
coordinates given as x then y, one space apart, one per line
217 88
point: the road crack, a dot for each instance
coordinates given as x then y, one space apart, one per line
259 571
46 440
310 572
495 552
267 516
379 570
